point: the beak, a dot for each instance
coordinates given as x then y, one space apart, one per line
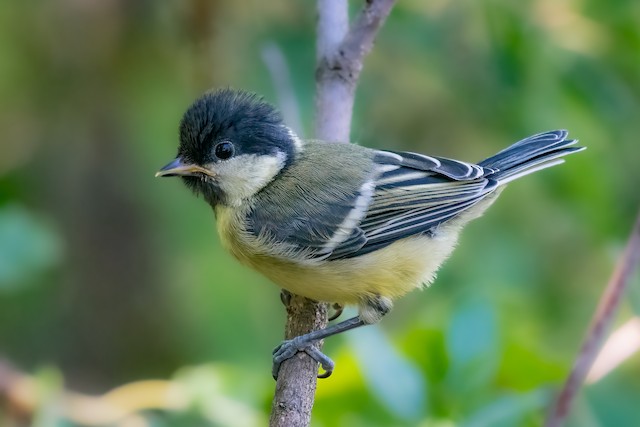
178 168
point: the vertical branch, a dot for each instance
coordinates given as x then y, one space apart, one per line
340 56
296 385
334 98
609 303
340 52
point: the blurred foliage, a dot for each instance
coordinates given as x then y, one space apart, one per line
111 276
27 247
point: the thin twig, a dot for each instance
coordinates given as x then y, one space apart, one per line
609 303
340 52
622 343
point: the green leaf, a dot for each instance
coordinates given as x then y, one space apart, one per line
28 247
508 410
392 378
472 343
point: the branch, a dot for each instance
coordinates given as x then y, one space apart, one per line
339 62
609 303
340 52
623 343
296 384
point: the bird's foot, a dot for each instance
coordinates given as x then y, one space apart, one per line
289 348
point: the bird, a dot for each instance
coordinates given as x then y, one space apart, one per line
336 222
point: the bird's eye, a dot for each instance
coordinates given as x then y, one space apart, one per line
223 150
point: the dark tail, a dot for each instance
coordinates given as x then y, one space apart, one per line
530 155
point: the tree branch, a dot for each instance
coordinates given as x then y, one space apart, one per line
340 52
339 62
609 303
334 99
622 343
296 386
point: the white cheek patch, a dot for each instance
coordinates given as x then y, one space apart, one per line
242 176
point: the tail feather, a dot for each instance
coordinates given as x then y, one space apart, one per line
530 155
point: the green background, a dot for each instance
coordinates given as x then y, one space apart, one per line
108 275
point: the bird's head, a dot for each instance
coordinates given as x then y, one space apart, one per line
232 144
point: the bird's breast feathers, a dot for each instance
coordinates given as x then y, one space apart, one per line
390 272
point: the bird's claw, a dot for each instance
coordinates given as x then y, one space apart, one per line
337 311
289 348
285 297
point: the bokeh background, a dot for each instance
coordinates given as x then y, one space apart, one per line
109 277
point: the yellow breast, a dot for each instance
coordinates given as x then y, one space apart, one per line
390 272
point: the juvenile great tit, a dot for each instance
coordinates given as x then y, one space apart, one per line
334 222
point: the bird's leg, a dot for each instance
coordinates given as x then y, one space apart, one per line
288 348
337 311
372 309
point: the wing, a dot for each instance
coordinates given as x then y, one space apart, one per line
317 218
400 195
383 196
413 194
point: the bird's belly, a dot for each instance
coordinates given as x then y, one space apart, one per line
390 272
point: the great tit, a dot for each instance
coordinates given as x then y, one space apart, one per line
334 222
